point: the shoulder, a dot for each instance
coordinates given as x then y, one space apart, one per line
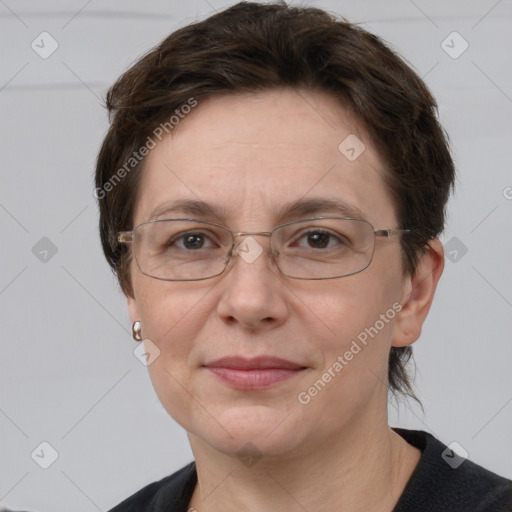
444 481
171 494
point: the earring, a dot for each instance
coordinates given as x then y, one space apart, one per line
136 334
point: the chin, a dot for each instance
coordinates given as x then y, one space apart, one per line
259 429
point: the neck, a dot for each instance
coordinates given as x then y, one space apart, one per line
362 469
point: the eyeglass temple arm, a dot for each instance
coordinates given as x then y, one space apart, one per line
391 232
125 236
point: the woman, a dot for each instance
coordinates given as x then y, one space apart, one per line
271 190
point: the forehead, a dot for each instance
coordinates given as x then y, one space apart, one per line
250 154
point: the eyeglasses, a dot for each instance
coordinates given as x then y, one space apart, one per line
192 250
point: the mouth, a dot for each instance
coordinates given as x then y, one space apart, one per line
254 374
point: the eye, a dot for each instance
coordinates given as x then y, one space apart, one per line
320 239
191 240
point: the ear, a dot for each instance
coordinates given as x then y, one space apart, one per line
417 296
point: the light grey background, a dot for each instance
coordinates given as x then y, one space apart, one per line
69 376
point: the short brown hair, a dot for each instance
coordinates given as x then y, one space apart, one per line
253 47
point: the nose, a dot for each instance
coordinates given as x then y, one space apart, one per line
248 248
253 289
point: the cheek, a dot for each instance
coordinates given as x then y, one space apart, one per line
354 356
348 306
353 321
172 319
168 311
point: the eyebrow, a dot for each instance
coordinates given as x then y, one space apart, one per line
294 210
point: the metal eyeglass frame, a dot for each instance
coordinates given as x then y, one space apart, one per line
127 237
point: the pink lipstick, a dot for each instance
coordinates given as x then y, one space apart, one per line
253 374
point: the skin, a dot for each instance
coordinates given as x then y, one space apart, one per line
250 154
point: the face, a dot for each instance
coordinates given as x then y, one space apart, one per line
249 156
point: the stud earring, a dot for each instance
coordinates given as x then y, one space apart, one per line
136 334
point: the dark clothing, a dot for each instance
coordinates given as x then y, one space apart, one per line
434 486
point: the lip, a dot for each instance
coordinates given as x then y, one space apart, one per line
255 363
253 374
